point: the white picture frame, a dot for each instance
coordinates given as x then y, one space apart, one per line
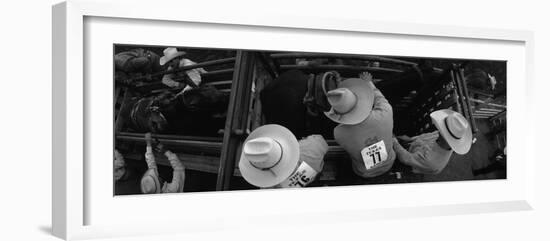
71 191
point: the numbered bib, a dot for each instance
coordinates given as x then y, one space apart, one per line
374 154
301 177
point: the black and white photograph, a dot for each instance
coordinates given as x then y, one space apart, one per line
190 119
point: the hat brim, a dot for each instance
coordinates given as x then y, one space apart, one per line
280 172
460 146
165 59
365 100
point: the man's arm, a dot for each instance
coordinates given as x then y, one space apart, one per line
418 160
380 102
168 79
149 156
177 166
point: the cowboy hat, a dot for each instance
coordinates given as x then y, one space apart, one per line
150 182
454 128
169 54
351 102
269 156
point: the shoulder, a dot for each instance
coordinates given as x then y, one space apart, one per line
340 132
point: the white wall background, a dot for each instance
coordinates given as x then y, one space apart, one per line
25 75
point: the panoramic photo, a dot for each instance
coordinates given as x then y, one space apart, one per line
203 119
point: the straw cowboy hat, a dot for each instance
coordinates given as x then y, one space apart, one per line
351 102
150 182
454 128
169 54
269 156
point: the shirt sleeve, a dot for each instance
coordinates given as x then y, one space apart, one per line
380 102
150 158
174 161
312 151
178 175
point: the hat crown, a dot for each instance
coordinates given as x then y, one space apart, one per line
262 152
170 51
342 100
457 125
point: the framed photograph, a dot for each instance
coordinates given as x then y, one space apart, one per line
166 123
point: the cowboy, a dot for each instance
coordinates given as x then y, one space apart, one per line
273 157
150 182
430 153
119 166
173 59
365 125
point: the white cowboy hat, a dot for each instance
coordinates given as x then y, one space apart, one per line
351 102
270 154
150 182
454 128
169 54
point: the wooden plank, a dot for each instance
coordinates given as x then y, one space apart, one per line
462 80
235 125
269 65
119 116
174 137
486 112
207 147
499 115
342 56
340 68
261 80
253 96
201 163
490 109
461 94
210 75
480 92
487 103
185 68
223 82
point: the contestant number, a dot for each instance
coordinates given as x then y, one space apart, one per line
301 177
374 154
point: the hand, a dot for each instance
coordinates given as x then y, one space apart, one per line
170 155
365 76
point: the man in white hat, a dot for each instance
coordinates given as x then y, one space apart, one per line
366 125
273 157
429 153
174 59
151 181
